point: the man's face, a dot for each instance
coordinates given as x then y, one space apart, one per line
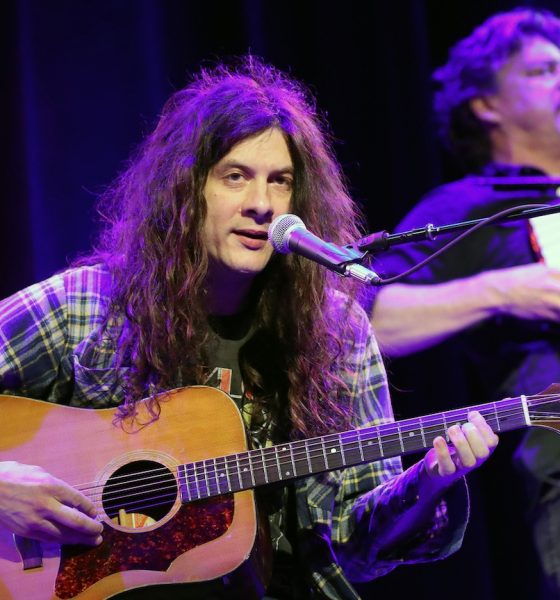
527 101
244 192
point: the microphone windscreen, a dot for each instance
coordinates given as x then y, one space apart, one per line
280 229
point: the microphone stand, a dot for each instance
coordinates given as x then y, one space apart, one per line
383 240
537 190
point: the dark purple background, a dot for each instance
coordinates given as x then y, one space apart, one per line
83 80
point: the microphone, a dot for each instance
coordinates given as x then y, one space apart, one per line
288 233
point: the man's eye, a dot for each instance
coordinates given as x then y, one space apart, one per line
546 69
234 177
284 181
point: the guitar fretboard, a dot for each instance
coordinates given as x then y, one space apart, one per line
246 470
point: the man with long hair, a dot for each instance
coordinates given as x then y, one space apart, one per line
183 289
492 301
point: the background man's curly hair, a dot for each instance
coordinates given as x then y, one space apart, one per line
470 72
152 244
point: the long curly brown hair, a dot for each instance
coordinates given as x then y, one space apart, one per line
152 244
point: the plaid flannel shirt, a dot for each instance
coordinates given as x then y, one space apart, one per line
51 348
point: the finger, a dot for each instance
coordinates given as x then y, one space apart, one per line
75 520
445 463
464 456
477 444
50 531
44 531
53 532
71 497
490 438
71 536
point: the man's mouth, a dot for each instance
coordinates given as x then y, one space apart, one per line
253 234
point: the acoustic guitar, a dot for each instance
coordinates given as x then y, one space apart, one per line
176 496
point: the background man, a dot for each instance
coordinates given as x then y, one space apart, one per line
488 309
183 287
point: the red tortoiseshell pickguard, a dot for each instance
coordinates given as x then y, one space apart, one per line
193 525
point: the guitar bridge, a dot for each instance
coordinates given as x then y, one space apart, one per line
31 552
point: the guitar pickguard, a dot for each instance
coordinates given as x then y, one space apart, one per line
194 524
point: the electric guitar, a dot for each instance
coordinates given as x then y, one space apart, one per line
176 496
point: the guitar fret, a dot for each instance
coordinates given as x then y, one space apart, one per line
227 475
191 482
237 470
300 458
213 477
251 470
307 456
196 481
357 453
432 431
421 424
462 417
223 480
292 459
341 450
206 477
283 462
331 450
400 436
390 441
183 484
412 437
444 433
188 482
222 476
210 477
245 473
265 469
370 443
360 445
278 464
219 478
324 453
216 475
498 424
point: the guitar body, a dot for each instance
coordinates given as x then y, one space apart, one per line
175 495
174 542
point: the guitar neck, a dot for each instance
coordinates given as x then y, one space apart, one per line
284 462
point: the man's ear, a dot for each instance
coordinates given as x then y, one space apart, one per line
484 108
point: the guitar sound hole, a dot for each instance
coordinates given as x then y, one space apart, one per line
139 494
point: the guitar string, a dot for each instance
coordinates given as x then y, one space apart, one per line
360 435
255 460
211 479
211 476
170 496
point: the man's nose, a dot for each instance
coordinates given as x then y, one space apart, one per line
258 202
